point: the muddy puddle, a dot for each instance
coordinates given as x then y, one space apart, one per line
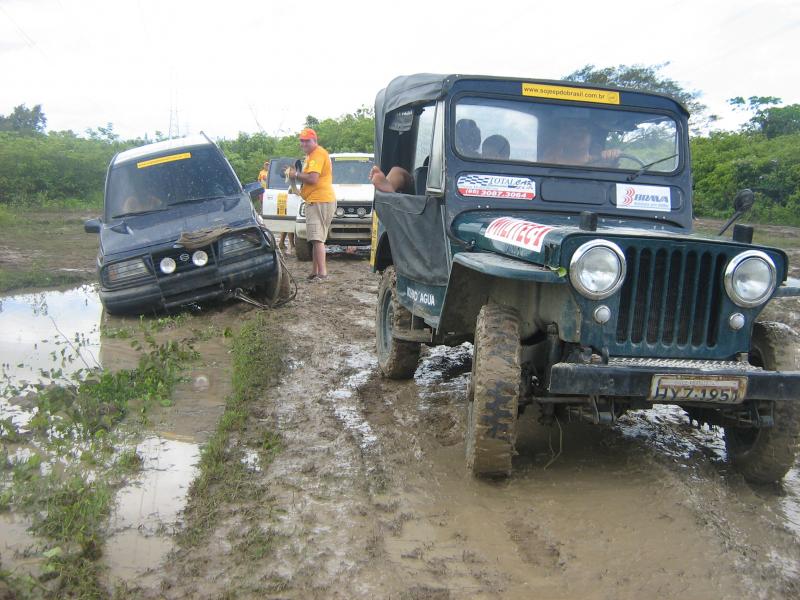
54 337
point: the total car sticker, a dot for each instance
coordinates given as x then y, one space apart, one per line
517 232
496 186
643 197
418 297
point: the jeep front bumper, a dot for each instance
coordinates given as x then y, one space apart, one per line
637 378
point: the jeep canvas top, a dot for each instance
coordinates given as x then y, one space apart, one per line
551 225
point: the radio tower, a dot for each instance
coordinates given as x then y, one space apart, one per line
174 125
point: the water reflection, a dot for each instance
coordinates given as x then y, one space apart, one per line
147 510
46 335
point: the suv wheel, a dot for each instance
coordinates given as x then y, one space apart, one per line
493 394
764 455
302 249
397 359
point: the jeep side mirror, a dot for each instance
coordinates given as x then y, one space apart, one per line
92 226
742 202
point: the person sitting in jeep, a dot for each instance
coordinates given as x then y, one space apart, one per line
573 146
398 179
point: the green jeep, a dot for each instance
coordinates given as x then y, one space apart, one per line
551 225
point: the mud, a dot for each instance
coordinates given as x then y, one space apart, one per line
369 497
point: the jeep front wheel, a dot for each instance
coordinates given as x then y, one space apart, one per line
397 359
493 394
302 249
765 455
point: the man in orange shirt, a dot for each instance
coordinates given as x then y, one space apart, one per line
317 192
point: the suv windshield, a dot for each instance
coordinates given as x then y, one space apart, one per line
351 169
155 183
557 134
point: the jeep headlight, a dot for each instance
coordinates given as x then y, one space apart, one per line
750 278
124 270
597 269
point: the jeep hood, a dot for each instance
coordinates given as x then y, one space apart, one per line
539 238
140 232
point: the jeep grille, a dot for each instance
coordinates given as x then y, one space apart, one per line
671 296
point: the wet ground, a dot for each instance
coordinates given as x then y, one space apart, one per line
49 338
369 496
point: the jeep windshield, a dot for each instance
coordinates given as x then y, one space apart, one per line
565 135
351 170
153 184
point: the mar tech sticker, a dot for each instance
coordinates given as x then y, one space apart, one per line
496 186
517 232
643 197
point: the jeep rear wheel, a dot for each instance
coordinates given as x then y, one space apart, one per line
493 394
764 455
302 249
397 359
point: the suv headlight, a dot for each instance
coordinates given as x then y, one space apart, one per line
750 278
125 270
597 269
239 243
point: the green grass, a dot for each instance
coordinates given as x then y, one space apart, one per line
223 477
39 277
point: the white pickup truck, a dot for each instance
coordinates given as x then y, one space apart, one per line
352 223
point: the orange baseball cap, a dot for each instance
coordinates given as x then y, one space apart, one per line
308 134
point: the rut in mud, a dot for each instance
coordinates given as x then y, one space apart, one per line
370 498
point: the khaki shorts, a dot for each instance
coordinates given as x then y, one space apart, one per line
318 220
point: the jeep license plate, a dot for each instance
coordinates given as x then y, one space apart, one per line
698 388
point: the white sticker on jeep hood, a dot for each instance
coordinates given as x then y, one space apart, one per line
496 186
643 197
517 232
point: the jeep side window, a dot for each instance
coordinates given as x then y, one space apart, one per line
407 142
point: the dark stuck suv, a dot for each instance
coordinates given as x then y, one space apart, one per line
178 229
551 225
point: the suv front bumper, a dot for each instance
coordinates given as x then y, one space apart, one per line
192 286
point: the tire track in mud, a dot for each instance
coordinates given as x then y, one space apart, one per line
370 497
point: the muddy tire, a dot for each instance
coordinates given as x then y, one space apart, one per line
493 393
302 249
397 359
765 455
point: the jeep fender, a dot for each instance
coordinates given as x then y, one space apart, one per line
539 294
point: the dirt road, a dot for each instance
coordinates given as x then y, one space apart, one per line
370 498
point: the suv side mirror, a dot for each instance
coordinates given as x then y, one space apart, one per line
92 226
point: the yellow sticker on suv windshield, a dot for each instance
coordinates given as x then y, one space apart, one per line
558 92
163 159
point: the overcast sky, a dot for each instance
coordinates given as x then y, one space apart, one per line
226 67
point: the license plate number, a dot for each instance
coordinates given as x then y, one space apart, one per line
698 388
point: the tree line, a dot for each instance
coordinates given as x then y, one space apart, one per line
41 167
